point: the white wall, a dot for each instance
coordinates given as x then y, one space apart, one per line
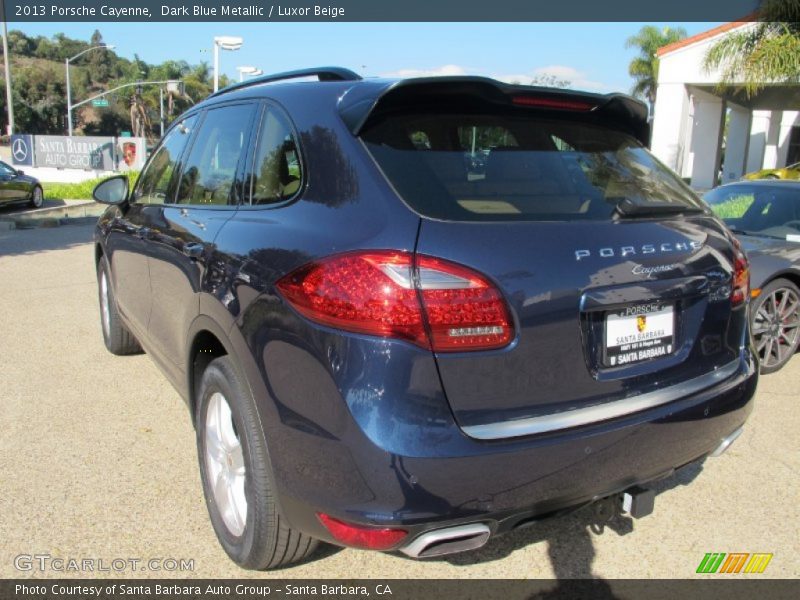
737 144
669 125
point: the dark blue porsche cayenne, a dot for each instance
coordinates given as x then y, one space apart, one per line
411 315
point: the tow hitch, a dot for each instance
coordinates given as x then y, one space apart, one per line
638 502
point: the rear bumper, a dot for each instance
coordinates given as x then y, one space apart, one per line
443 479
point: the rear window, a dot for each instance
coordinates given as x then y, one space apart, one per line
508 167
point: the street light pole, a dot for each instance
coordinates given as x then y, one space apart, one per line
69 99
9 101
69 91
216 66
226 42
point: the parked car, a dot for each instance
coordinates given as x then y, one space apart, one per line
16 187
787 172
379 351
765 215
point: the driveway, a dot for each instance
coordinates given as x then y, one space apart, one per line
99 462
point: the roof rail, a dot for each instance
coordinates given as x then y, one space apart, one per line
324 74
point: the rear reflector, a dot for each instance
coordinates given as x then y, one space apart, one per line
358 536
556 103
434 303
741 276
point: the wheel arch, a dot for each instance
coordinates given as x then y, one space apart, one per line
206 341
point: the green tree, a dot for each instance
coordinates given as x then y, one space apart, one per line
100 61
644 68
766 52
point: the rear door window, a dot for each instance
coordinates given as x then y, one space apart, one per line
209 173
510 167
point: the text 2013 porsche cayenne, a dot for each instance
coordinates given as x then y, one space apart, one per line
388 344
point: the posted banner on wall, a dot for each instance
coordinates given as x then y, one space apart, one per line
131 153
80 152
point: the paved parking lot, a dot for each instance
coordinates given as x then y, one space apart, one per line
98 461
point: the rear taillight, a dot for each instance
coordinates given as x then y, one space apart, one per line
358 536
741 276
433 303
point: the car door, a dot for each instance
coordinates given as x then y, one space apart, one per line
206 196
9 191
130 237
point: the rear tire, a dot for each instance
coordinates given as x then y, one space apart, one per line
118 339
37 198
237 476
775 324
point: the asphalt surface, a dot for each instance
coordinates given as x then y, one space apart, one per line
99 461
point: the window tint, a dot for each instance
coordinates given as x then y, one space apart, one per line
6 170
153 186
209 172
276 168
511 167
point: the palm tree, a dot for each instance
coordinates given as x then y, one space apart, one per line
644 68
769 51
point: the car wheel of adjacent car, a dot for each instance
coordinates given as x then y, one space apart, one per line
771 176
116 336
775 324
37 197
236 474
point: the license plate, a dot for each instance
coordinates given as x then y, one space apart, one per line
638 333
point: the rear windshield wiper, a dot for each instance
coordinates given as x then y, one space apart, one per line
629 208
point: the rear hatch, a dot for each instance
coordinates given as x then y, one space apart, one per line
618 279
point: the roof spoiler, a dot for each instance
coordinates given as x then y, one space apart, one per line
362 104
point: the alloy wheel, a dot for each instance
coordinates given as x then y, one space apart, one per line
776 326
225 464
104 307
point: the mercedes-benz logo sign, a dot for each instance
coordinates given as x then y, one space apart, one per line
20 150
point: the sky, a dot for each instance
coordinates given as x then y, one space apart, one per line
590 55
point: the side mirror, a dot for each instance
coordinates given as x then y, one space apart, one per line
113 190
20 172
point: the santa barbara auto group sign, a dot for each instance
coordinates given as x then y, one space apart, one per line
85 152
89 153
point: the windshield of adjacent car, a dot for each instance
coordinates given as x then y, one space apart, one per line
765 210
489 167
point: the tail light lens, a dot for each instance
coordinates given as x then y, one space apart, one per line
556 103
433 303
741 276
358 536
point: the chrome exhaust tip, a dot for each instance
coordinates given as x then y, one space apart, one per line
448 541
726 442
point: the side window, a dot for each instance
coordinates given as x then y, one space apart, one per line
154 183
210 171
276 168
6 170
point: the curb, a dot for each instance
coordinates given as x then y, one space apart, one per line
78 213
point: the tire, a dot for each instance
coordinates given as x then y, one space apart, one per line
37 198
775 324
233 459
118 339
771 176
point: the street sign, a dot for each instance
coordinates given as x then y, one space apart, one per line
100 102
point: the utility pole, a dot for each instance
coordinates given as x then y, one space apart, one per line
9 101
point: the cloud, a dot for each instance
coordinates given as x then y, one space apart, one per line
578 79
442 71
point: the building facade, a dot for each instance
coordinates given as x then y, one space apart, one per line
712 136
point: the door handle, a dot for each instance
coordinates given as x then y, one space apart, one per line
194 250
144 233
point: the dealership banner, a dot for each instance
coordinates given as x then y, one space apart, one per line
395 589
89 153
376 10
